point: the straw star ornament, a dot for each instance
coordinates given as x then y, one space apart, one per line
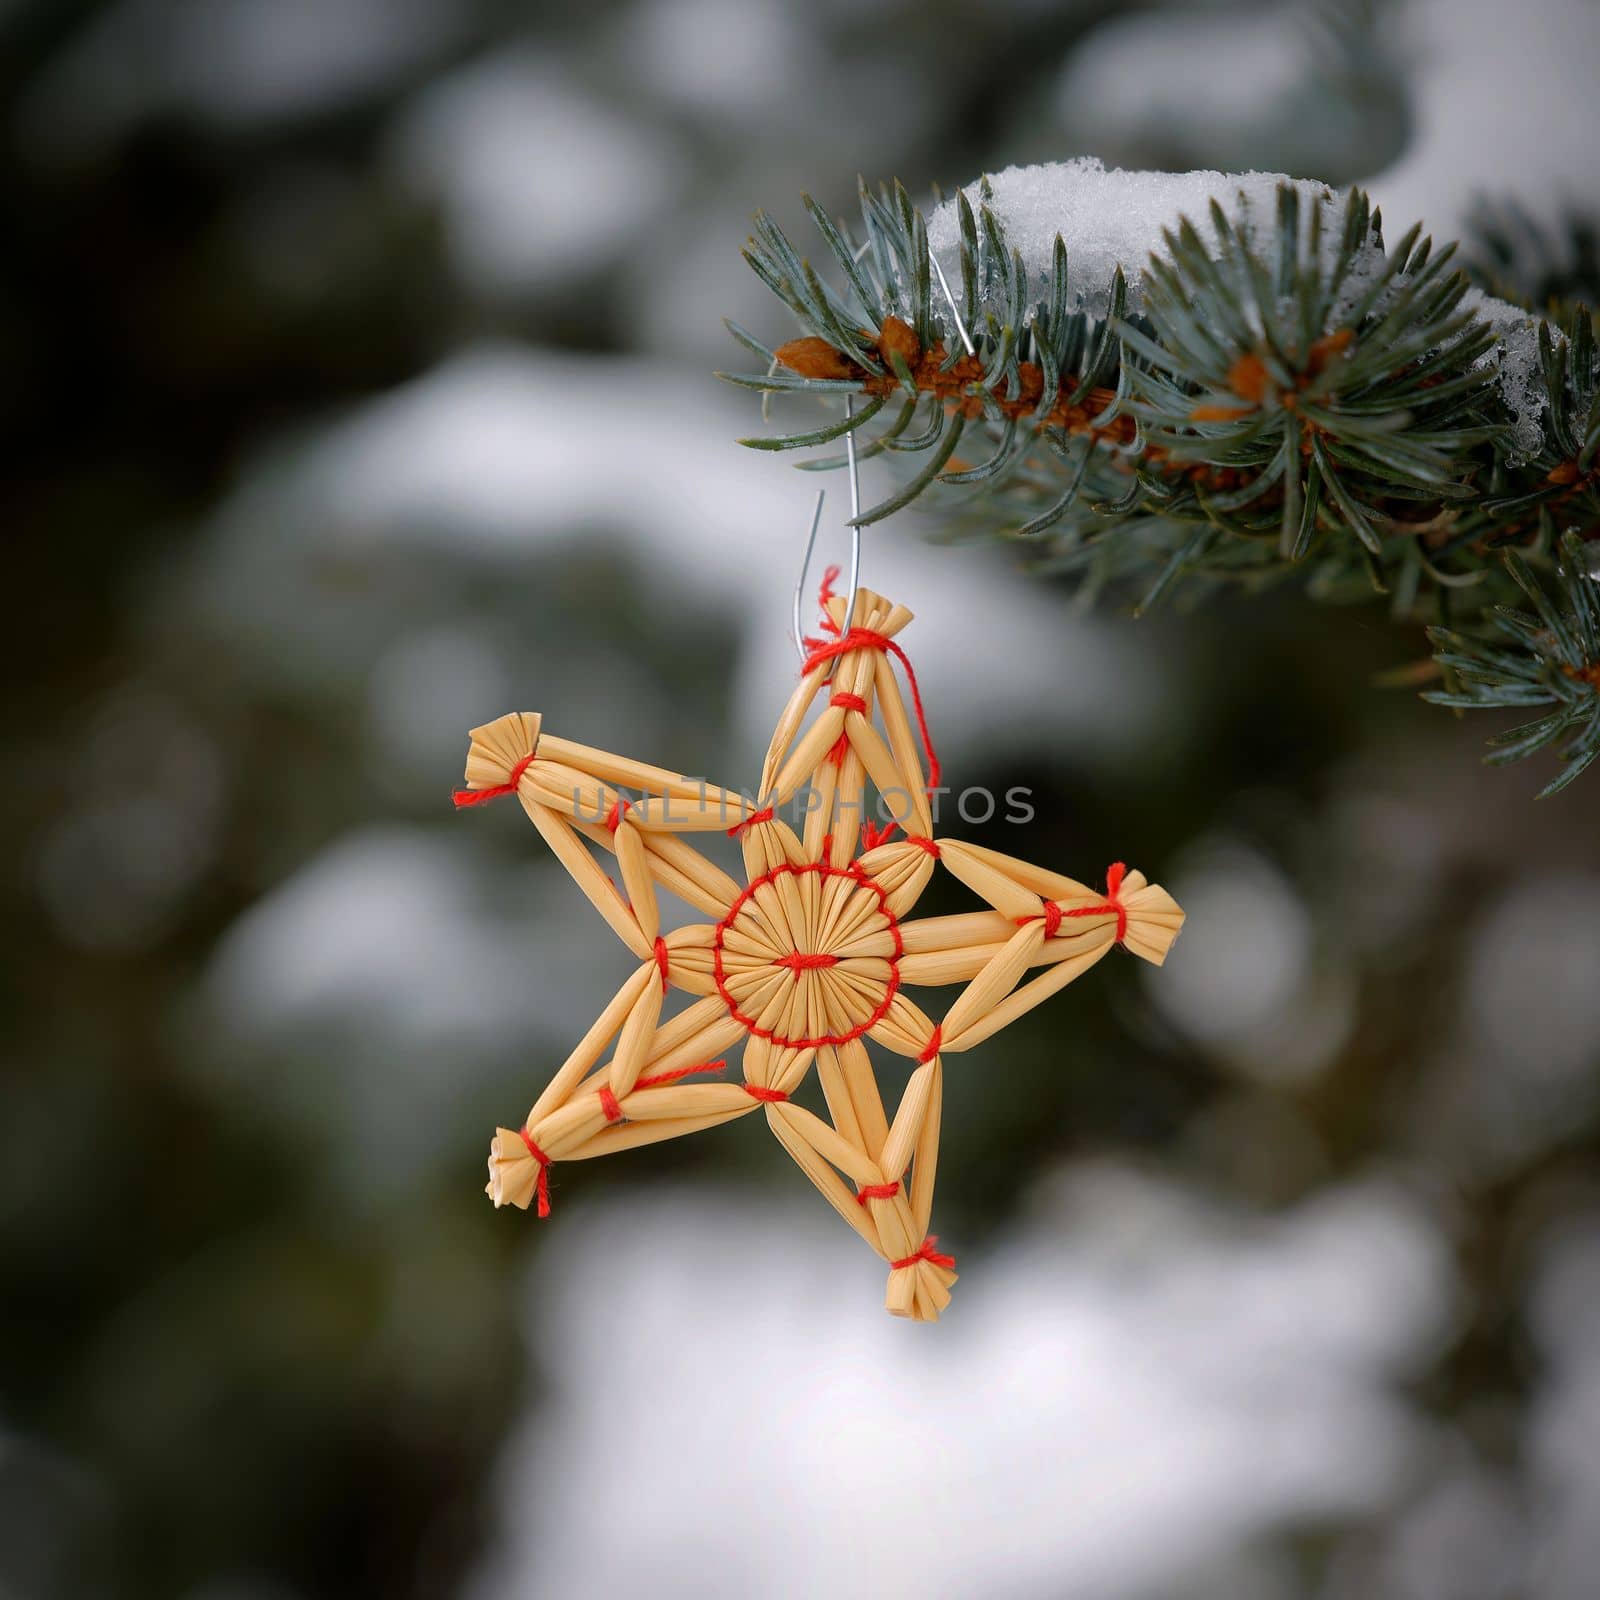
808 958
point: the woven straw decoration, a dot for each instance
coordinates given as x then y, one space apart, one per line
806 959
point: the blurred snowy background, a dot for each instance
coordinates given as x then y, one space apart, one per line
358 357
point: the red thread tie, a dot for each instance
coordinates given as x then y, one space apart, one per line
1052 915
756 1092
798 961
877 1191
619 809
873 834
749 822
481 797
841 748
866 639
824 595
677 1073
923 843
932 1048
1115 873
926 1253
544 1170
661 962
608 1104
850 702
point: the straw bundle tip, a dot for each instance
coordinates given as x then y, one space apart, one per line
513 1173
499 747
918 1293
1154 922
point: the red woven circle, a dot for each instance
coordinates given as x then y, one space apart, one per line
822 869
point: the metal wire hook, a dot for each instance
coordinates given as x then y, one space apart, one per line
855 539
855 486
805 567
950 300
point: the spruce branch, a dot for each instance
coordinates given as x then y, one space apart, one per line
1548 658
1282 397
1514 255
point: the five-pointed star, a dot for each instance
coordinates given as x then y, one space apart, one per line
808 958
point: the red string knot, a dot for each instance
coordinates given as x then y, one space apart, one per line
1115 873
841 748
821 650
849 702
771 1096
926 1253
764 815
922 842
544 1170
798 961
824 595
877 1191
661 961
479 797
1051 917
874 833
932 1047
608 1104
619 809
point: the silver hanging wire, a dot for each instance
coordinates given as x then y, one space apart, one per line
855 540
805 567
950 300
855 485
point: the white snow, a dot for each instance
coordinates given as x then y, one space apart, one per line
1559 1435
1109 218
386 925
1127 1390
762 49
1516 360
1530 999
1264 1001
369 995
1138 73
1503 100
1497 99
492 144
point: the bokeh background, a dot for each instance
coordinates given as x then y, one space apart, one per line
357 389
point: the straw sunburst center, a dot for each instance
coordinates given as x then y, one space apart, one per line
809 955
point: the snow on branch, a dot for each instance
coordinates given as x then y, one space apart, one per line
1110 219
